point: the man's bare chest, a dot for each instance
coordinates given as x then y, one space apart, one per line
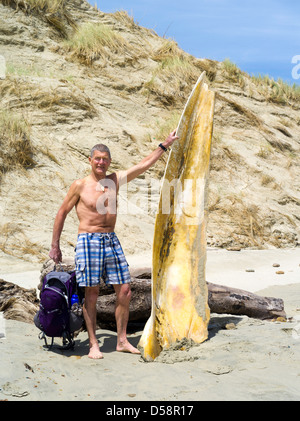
100 198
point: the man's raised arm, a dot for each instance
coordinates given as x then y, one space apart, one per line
69 202
150 160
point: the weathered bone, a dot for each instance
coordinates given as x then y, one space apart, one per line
179 290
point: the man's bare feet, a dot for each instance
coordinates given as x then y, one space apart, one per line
95 352
127 347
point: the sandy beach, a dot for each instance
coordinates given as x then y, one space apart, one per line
243 359
61 96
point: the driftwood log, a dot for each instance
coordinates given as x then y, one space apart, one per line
21 304
18 303
221 300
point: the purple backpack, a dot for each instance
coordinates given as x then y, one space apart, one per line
54 317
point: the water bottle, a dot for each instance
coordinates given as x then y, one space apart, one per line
75 305
74 299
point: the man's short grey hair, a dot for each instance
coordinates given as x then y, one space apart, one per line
101 148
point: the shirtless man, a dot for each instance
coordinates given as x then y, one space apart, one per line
98 251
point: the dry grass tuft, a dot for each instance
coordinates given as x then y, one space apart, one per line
266 180
247 221
168 49
15 243
233 73
123 17
16 149
94 41
207 66
173 76
24 94
53 11
278 91
50 100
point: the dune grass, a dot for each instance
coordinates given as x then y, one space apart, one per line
92 41
233 73
278 91
173 76
16 150
14 242
53 11
48 6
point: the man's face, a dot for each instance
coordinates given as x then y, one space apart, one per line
100 163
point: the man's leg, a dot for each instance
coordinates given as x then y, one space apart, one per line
90 313
122 314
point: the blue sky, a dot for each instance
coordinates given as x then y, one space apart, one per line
260 36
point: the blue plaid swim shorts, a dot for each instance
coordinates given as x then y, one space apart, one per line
100 255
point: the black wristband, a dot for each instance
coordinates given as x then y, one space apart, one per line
162 147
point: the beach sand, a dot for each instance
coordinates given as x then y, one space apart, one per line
243 359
